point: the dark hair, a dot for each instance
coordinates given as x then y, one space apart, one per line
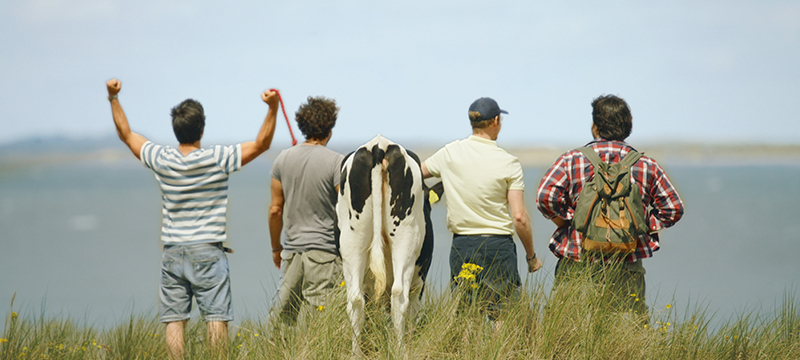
612 117
188 121
317 117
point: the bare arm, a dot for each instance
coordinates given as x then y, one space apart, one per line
276 221
252 149
425 173
130 138
559 222
522 225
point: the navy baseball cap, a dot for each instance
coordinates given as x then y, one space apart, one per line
484 109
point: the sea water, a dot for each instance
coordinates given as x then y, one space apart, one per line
80 240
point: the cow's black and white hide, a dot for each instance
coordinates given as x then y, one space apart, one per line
385 229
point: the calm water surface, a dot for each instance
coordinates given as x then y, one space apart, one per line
80 240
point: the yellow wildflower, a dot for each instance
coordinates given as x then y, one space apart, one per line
3 340
473 268
256 334
320 308
342 284
633 295
669 306
466 274
13 315
474 286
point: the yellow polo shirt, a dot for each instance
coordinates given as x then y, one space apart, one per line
477 176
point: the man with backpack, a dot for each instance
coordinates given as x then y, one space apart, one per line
608 201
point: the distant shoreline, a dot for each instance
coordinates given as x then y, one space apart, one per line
544 156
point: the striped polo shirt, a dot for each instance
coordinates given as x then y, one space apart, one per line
194 190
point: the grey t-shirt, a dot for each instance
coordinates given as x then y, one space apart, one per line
308 175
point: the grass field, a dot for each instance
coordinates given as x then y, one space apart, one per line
571 323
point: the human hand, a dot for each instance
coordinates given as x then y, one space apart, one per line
113 86
533 263
276 259
270 97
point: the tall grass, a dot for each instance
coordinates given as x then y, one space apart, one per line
574 322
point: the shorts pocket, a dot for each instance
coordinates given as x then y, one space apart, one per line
209 270
321 257
287 255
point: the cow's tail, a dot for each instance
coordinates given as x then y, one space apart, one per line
377 260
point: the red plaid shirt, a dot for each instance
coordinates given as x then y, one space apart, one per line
560 186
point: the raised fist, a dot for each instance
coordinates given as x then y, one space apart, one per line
113 86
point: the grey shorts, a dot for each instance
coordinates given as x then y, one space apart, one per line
307 277
199 270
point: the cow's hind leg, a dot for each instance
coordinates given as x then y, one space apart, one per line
353 270
415 294
403 258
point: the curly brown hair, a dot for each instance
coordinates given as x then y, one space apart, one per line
316 117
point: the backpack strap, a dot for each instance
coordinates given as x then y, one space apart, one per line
630 159
590 155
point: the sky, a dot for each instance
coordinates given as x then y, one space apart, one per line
691 71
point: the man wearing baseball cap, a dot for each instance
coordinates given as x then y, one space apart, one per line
485 205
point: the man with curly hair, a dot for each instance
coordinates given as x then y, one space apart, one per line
305 180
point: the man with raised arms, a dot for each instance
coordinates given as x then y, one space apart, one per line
194 190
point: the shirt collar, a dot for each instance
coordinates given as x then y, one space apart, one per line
482 140
621 144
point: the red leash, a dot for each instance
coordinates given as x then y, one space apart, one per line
280 99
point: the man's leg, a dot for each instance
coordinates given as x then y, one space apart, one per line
175 299
322 273
175 342
212 288
290 292
217 333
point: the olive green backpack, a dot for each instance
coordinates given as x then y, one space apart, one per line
610 214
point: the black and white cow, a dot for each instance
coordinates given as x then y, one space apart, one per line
385 229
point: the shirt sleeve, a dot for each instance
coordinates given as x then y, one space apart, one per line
516 181
229 158
276 167
551 197
148 154
434 163
337 169
667 206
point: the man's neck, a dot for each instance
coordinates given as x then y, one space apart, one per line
185 149
315 142
483 134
